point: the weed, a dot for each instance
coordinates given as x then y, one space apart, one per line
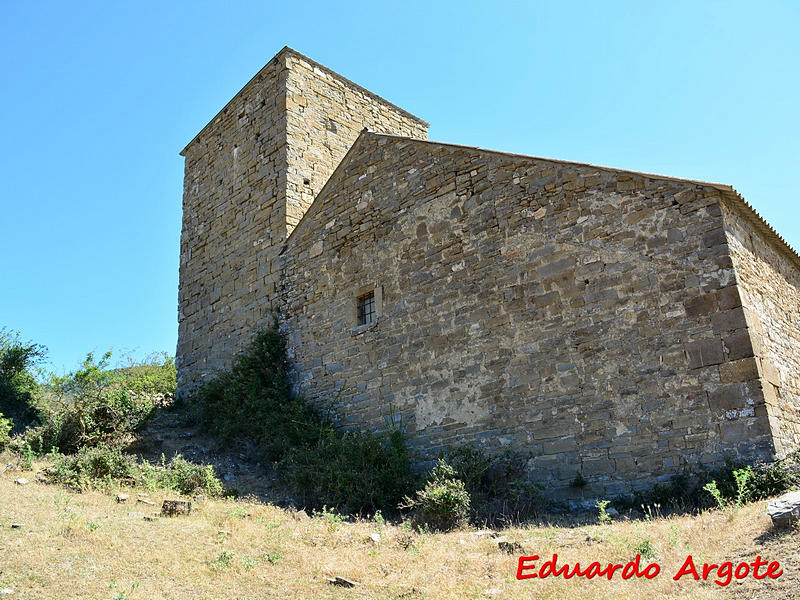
498 486
333 520
711 488
274 557
237 513
444 503
645 549
743 478
249 562
673 535
602 514
379 521
6 425
123 594
222 561
27 454
651 511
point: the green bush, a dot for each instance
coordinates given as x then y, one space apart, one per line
691 490
6 425
96 466
498 487
444 503
89 407
322 464
18 386
155 376
253 401
775 478
102 466
352 471
182 476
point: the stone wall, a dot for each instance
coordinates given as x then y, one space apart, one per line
585 317
233 225
769 279
325 114
250 175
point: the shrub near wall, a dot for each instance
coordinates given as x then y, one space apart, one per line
323 465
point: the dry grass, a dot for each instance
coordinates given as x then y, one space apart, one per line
87 546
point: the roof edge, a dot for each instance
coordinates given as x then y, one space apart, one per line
287 50
345 159
361 88
727 190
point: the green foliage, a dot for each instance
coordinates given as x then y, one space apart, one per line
602 514
733 484
98 466
222 561
90 407
6 425
332 519
498 487
353 471
253 401
645 549
18 385
775 478
105 466
742 478
444 503
181 476
711 488
155 375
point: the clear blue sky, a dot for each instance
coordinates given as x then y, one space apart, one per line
98 98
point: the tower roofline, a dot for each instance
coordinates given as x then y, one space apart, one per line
286 50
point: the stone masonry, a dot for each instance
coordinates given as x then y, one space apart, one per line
619 325
250 175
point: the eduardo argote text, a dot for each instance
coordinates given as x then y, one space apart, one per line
529 567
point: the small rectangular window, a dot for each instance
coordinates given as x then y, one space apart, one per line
366 309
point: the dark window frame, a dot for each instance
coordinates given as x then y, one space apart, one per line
366 309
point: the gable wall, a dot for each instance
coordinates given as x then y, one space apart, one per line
582 317
769 280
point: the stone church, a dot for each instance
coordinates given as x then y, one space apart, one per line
620 325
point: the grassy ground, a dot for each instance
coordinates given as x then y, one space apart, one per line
89 546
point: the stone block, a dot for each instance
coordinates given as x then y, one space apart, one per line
728 297
729 320
715 237
592 467
739 345
738 371
726 397
784 511
704 353
701 305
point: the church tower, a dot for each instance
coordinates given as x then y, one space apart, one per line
250 176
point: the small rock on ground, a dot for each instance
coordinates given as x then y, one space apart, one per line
784 510
341 581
